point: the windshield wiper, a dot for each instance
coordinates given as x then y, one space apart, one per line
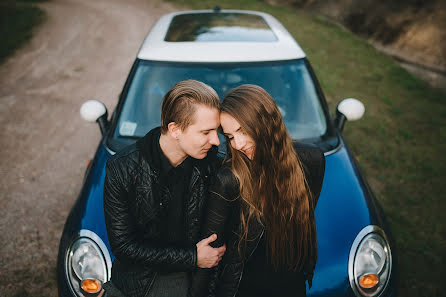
129 137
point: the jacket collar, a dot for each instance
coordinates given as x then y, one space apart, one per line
146 146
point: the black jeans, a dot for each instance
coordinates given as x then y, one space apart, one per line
165 285
172 284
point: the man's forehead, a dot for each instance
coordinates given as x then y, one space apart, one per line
206 118
205 108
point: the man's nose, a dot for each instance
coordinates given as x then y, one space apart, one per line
214 138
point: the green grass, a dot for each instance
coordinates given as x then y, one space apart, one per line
400 141
17 20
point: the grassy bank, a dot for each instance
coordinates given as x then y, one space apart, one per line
400 140
17 20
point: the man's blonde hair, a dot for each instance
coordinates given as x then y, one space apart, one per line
179 104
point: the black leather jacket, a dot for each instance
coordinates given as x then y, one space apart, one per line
135 205
223 218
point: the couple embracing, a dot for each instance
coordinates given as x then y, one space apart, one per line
182 221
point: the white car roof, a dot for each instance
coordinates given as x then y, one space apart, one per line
284 47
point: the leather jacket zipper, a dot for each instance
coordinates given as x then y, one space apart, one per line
187 219
195 178
146 293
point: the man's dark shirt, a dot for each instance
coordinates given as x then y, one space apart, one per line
177 180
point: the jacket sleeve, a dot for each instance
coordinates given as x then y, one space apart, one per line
223 194
125 241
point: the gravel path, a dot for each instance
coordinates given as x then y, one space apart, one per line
83 51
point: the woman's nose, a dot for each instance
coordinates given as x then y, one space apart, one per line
239 142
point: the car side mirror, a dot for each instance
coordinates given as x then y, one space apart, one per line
349 109
95 111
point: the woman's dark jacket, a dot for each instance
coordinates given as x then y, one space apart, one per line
135 206
223 218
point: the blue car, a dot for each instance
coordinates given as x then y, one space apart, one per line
224 49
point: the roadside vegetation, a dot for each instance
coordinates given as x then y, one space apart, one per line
400 141
17 20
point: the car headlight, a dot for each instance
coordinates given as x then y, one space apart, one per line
370 262
87 264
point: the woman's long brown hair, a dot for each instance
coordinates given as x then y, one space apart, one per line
273 183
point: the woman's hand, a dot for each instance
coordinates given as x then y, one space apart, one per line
207 256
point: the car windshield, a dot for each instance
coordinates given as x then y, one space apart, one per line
289 83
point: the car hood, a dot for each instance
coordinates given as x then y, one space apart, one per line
344 208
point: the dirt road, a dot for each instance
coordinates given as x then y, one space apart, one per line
83 51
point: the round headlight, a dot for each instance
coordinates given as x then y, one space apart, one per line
87 261
370 262
86 266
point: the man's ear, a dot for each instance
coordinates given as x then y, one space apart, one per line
174 129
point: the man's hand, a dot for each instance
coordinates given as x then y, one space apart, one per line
207 256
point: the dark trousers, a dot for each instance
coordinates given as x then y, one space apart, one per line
165 285
172 284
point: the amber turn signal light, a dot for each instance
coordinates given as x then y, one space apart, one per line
91 285
368 281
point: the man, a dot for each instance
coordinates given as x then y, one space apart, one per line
154 197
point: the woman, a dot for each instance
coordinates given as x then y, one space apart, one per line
262 202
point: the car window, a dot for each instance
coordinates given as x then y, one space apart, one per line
289 83
221 27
